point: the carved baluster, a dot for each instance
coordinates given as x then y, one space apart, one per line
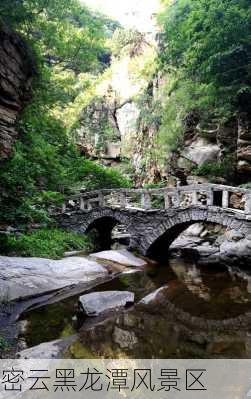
146 200
225 199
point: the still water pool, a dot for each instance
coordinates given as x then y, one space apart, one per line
202 312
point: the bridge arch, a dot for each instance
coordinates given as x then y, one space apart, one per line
157 244
103 222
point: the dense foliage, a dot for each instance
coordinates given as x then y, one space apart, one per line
68 43
209 43
46 243
213 169
205 53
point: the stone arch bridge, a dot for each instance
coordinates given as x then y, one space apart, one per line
154 218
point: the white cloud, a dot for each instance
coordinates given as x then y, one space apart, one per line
130 13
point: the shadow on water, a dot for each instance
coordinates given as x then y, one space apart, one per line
202 312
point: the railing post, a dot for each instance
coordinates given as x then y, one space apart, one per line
194 198
122 199
168 202
146 200
177 199
210 198
225 199
248 203
82 204
101 199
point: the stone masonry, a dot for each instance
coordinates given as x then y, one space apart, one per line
155 218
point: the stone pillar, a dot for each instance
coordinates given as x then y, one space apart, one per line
248 203
194 198
101 199
146 200
225 199
123 201
210 198
82 204
168 202
176 199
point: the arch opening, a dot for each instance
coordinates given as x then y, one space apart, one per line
182 239
105 231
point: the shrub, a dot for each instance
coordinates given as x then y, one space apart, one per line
94 176
225 168
46 243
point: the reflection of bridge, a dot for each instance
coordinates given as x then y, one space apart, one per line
155 217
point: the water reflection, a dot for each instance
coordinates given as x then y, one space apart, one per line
201 311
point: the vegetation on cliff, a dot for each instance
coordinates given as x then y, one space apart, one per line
69 46
208 45
195 83
205 53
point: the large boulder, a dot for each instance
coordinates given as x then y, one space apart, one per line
236 251
199 151
25 277
127 117
96 303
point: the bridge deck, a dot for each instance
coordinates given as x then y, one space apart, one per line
209 195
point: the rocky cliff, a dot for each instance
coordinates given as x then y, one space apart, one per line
16 72
127 116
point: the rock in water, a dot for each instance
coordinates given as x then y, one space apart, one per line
153 296
24 277
123 257
97 302
48 350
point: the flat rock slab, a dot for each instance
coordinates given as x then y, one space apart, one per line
95 303
24 277
123 257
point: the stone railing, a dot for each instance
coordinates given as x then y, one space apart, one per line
207 195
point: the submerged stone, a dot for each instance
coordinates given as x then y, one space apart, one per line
97 302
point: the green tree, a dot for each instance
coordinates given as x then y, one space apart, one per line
68 41
209 41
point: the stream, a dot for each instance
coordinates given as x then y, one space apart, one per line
202 312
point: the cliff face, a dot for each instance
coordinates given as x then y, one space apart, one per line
16 72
